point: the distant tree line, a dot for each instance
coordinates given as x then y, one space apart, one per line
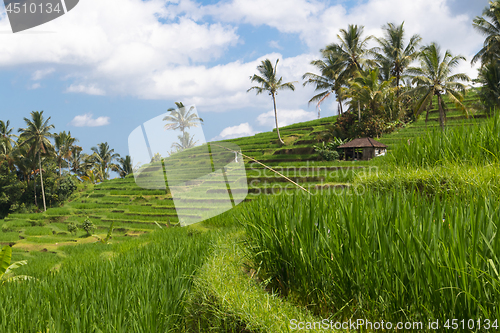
40 168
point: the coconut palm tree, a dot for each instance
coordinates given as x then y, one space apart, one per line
36 136
125 167
6 133
489 26
434 78
269 82
185 142
351 53
181 118
489 78
392 55
104 157
63 144
327 82
367 91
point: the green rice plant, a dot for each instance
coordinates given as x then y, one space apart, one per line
396 256
142 287
37 231
478 144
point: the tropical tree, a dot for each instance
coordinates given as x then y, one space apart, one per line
269 81
489 26
351 53
36 136
327 82
6 134
185 142
63 144
369 93
489 78
125 166
181 118
78 162
434 78
104 157
341 61
392 55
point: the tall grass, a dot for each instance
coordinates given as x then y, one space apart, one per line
140 288
394 256
477 144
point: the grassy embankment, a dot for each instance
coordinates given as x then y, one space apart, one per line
457 261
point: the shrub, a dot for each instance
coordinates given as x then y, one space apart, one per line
72 227
88 226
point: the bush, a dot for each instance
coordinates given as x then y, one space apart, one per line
72 227
88 226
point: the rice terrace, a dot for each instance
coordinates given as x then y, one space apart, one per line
382 217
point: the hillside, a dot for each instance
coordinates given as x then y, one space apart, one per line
135 210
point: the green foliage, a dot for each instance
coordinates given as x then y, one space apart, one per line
88 226
6 267
72 228
137 286
396 256
10 189
327 151
477 144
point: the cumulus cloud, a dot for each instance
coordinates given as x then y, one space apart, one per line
162 49
285 117
86 120
238 131
81 88
40 74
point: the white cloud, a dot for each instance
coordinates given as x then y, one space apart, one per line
34 86
90 90
285 117
86 120
232 132
131 52
40 74
275 45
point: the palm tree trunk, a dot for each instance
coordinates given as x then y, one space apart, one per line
276 118
441 113
60 171
41 181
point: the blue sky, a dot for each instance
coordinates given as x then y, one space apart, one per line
108 66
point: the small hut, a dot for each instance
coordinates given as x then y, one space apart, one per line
363 149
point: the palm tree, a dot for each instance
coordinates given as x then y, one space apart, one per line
185 142
489 26
6 133
392 55
327 82
181 118
368 92
36 135
434 78
340 63
489 77
125 168
269 82
351 53
104 157
63 144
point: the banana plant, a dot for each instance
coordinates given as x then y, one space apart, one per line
108 236
6 267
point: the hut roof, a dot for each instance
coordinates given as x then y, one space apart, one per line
363 143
